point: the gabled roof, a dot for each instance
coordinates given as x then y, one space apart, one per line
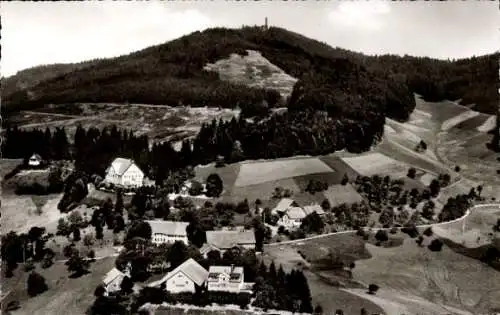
206 248
191 269
168 227
314 208
36 156
112 275
229 239
283 205
121 165
296 213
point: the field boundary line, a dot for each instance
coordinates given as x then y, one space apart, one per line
467 213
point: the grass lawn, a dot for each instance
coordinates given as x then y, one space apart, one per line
7 165
65 295
377 163
339 194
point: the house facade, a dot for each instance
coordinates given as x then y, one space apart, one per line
35 160
225 278
168 231
124 172
185 278
113 280
292 218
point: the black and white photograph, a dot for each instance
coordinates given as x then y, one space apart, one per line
250 157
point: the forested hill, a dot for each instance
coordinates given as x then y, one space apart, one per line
330 78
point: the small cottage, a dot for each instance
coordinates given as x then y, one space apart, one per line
185 278
124 172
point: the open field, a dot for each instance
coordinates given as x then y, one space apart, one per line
261 172
7 165
19 213
329 296
65 295
377 164
458 119
444 278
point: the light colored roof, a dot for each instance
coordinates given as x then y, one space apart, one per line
283 205
314 208
206 248
191 269
36 156
228 239
225 269
121 165
168 227
295 213
112 275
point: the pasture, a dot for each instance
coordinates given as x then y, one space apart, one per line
443 278
20 213
64 296
458 119
260 172
377 164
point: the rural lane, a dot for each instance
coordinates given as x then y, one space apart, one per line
467 213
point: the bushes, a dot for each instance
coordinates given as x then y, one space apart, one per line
411 230
36 284
428 231
436 245
372 288
381 236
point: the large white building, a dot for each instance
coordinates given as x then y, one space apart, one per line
227 279
124 172
168 231
185 278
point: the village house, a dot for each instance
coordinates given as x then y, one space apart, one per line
35 160
225 240
185 278
113 279
124 172
314 208
283 206
168 231
292 218
227 279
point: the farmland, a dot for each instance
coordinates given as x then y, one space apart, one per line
65 295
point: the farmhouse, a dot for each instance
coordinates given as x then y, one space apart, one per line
185 278
314 208
292 218
113 280
284 205
227 279
124 172
35 160
224 240
168 231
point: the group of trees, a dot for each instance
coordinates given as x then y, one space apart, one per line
455 208
25 247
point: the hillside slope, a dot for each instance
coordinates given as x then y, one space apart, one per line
172 73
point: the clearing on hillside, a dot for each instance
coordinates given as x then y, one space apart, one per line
454 121
260 172
377 164
255 71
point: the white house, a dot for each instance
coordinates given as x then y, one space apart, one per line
224 240
35 160
168 231
124 172
113 279
292 218
185 278
227 279
284 205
